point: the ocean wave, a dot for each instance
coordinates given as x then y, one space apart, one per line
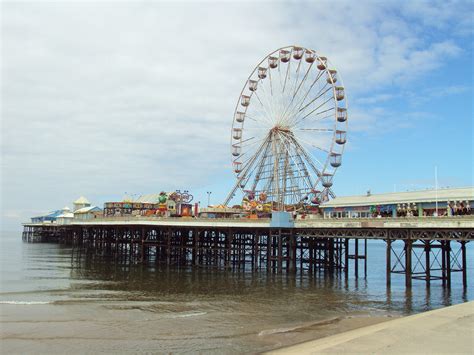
186 315
299 327
25 302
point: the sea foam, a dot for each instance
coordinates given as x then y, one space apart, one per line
25 302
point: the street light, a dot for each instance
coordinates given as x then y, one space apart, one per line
209 198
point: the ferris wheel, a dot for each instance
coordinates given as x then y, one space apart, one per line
289 129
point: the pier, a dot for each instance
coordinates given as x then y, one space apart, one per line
427 249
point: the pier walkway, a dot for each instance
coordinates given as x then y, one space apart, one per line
447 330
422 222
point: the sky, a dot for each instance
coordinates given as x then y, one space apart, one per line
106 98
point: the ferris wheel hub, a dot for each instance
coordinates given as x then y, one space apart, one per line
280 128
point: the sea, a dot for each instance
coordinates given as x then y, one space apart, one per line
52 300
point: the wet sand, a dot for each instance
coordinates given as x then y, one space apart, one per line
122 328
448 330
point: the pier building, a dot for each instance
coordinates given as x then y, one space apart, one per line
424 203
89 212
49 217
163 204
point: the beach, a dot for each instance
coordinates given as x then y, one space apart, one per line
447 330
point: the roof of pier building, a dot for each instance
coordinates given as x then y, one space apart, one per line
88 210
445 194
82 201
49 215
147 198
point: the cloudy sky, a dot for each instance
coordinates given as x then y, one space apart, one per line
103 98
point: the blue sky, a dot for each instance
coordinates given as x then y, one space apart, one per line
99 99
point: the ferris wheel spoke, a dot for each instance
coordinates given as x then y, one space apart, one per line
309 90
287 72
251 144
313 145
317 116
316 129
315 120
316 163
270 99
317 108
270 80
270 102
320 94
308 158
261 166
297 74
264 109
279 74
303 80
285 112
295 82
248 163
288 145
253 119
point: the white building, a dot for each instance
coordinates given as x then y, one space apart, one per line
81 202
89 212
66 217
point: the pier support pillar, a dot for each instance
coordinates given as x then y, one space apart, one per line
388 271
448 263
292 253
356 257
346 257
427 262
365 258
464 264
408 252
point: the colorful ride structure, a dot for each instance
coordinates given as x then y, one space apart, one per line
164 204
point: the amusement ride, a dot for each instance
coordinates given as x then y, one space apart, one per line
289 130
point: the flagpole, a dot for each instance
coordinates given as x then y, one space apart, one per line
436 189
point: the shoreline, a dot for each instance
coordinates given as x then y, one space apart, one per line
435 330
306 332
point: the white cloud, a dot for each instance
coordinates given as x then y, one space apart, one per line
99 98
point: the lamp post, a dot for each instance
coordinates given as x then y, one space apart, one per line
208 198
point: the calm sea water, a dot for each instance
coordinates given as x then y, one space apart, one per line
196 309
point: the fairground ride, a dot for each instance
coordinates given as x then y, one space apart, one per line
289 129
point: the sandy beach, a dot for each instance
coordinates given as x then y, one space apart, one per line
448 330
